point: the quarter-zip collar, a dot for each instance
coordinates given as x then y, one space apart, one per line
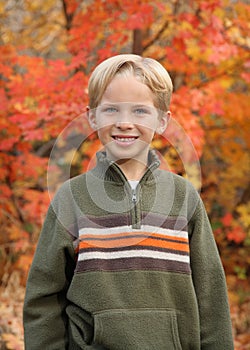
109 171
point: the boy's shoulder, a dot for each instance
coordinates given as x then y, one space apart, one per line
68 191
180 187
70 184
178 180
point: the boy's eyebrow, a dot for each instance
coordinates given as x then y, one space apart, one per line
133 104
143 105
108 104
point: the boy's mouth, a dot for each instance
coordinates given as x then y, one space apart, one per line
125 138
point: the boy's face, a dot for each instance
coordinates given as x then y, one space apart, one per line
126 119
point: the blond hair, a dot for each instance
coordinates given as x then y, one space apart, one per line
147 70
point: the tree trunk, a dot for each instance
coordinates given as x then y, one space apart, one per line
137 42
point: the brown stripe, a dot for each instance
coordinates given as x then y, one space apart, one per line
124 235
125 264
103 221
173 223
88 249
152 219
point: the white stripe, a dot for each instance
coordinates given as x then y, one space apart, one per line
133 254
128 229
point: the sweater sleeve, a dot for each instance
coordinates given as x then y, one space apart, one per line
210 284
44 315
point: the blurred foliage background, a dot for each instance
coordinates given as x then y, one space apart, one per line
47 51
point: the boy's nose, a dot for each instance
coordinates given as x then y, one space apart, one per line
124 121
124 125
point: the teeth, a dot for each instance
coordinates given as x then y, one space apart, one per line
125 139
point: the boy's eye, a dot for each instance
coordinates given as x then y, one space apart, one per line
110 110
140 111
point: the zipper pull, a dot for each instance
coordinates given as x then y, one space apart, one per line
134 196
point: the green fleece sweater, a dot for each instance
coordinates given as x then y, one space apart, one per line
118 269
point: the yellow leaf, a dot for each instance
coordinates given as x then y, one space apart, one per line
244 211
193 174
157 143
71 157
2 9
226 82
193 49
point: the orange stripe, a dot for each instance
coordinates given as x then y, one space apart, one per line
112 244
139 241
175 238
165 244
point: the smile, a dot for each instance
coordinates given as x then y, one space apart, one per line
125 139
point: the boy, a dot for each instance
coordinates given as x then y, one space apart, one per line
126 259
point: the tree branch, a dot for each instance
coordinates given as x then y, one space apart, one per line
45 149
157 36
137 42
68 17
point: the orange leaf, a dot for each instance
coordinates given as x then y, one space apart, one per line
227 220
237 235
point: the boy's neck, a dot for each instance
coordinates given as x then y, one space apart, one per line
132 169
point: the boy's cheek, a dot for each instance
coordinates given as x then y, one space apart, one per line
104 135
103 122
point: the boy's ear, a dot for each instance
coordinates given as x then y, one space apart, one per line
91 118
163 122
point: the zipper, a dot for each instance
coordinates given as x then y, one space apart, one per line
136 220
134 197
135 210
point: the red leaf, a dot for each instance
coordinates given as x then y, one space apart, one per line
227 220
237 235
7 144
5 191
